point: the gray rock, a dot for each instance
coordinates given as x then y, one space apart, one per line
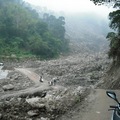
0 115
19 99
42 118
13 56
16 77
36 102
32 113
8 87
28 118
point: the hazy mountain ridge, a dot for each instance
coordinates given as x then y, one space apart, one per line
88 31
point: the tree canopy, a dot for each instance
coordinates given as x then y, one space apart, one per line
114 3
22 31
113 37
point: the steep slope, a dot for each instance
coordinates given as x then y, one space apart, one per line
112 78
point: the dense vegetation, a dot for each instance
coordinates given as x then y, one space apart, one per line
113 37
23 32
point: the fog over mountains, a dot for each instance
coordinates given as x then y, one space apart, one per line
88 31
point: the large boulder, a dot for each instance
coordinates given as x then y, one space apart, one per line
32 113
58 100
36 102
0 116
8 87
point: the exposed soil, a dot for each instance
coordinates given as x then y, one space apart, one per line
94 107
112 78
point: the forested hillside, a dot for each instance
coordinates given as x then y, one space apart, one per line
24 33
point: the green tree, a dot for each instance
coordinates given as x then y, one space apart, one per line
113 37
115 20
23 31
57 28
114 3
114 51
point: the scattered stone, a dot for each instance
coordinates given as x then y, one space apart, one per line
79 90
19 99
29 119
32 100
13 55
12 99
0 115
1 64
8 68
11 79
32 113
16 77
1 103
36 102
8 87
43 94
42 118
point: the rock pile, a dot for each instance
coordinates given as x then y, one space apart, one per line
74 73
15 81
80 69
56 102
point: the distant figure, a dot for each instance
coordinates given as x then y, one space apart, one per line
53 81
41 79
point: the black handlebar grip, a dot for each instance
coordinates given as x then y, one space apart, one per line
113 106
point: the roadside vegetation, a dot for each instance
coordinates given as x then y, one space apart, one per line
113 37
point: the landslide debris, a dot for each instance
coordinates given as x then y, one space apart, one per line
76 74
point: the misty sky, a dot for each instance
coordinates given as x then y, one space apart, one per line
71 6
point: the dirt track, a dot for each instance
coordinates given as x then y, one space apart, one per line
94 108
33 76
39 86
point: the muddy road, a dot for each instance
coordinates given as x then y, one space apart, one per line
95 107
33 76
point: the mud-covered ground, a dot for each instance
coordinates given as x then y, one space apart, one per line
71 72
